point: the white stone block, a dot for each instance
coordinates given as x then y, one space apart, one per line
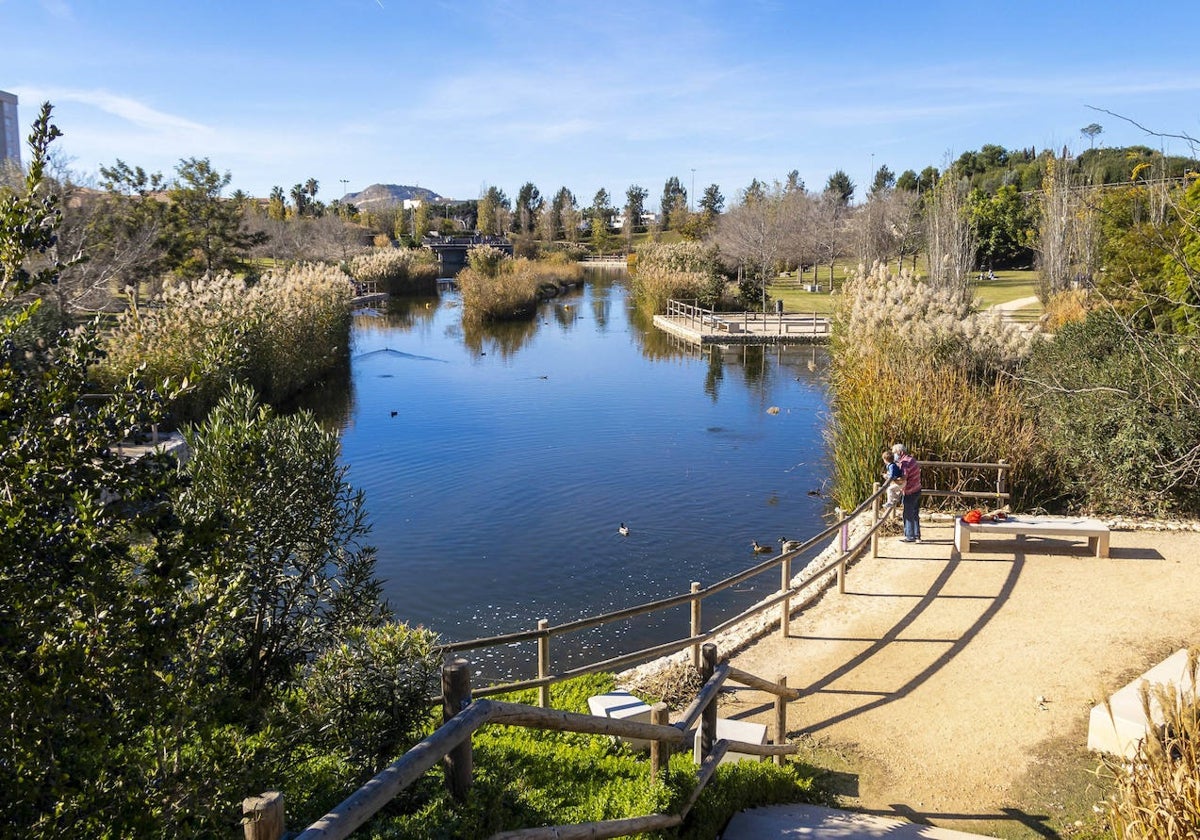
1121 731
735 730
621 705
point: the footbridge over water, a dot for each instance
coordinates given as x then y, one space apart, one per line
452 250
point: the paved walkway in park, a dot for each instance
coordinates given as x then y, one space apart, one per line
956 691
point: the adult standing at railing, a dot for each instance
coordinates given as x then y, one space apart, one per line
911 503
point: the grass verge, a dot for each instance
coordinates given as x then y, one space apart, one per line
526 778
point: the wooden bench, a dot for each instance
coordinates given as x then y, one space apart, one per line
1094 531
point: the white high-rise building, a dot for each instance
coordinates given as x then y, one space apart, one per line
10 131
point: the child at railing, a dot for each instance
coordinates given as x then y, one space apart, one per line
891 470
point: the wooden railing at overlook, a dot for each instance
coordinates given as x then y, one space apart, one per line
465 710
697 635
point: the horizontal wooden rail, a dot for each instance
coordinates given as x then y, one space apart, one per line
706 695
534 717
814 581
751 681
449 741
365 802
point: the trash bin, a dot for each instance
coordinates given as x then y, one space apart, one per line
779 306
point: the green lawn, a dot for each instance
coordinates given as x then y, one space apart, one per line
1008 285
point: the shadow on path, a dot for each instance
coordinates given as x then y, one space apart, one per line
893 636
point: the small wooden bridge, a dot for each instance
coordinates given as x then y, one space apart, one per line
688 320
452 250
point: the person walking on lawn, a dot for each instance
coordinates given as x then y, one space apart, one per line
911 502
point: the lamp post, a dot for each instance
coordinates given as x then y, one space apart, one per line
344 181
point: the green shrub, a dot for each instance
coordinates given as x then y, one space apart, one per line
1121 410
366 698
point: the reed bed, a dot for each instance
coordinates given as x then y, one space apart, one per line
279 335
916 365
680 270
1157 793
497 287
394 270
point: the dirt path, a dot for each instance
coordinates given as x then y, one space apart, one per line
922 681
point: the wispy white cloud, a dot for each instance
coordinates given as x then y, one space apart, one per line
125 108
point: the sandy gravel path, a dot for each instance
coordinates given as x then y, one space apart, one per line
924 677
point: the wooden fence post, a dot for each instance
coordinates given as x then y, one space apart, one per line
696 623
263 816
1001 482
876 509
456 696
785 606
708 718
543 663
844 540
660 752
780 716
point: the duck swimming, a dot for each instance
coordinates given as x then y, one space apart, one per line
760 549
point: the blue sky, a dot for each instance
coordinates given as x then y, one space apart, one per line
459 96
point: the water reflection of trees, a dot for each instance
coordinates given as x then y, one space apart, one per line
331 400
713 376
401 312
503 337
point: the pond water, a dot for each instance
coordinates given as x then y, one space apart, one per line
498 463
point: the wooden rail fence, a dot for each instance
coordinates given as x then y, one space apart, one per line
465 709
704 320
956 480
450 745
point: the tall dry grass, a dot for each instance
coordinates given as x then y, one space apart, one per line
680 270
917 365
279 335
497 287
1157 793
395 270
1067 308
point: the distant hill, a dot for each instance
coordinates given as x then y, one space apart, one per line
388 195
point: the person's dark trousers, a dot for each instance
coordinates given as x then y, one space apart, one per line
912 521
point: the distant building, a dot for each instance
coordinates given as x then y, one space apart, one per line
10 132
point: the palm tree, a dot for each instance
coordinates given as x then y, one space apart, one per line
300 199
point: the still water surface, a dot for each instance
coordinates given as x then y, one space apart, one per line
499 462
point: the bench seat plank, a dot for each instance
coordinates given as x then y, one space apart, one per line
1093 530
